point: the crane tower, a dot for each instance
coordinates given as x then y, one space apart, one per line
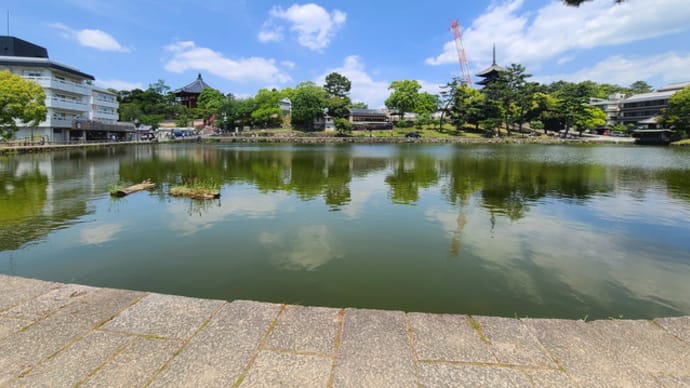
455 27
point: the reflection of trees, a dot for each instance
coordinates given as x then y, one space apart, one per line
410 173
307 173
509 185
23 198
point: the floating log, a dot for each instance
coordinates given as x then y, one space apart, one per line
145 185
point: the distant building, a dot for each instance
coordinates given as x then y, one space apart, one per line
370 119
641 109
285 106
491 73
611 106
188 94
77 111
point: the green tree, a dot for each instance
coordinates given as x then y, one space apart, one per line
426 103
511 92
677 115
640 87
338 89
337 85
404 96
20 100
343 125
210 102
466 105
267 113
308 103
359 105
160 87
591 118
572 101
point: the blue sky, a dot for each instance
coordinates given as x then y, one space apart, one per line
240 46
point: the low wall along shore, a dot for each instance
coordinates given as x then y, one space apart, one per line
54 334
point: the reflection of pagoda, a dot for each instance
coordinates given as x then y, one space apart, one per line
491 73
187 95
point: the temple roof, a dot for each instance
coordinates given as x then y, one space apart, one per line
195 87
491 70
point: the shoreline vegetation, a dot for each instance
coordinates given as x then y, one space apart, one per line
382 137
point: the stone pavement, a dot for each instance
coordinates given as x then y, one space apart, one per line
59 335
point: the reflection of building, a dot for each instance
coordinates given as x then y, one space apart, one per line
77 111
188 94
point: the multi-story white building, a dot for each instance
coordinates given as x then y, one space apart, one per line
77 111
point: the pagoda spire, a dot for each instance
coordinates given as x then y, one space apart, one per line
494 62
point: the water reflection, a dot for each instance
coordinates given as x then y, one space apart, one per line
499 230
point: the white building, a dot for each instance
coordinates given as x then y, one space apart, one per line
77 111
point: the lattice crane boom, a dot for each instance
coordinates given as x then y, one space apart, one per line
455 27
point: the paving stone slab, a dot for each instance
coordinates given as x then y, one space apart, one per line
15 290
448 338
44 338
513 343
280 369
644 345
674 381
220 352
74 364
136 365
678 326
9 326
438 374
166 316
305 329
549 378
49 302
375 350
576 346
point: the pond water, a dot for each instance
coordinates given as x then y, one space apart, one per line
508 230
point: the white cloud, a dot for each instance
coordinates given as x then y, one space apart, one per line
288 64
668 67
240 202
119 85
96 39
187 56
272 34
99 234
313 25
529 38
307 248
364 88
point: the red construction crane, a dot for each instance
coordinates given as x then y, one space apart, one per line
455 27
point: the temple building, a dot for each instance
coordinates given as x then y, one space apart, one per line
188 95
491 73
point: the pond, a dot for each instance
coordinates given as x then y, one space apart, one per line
509 230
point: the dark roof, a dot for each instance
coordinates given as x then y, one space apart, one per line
494 68
11 46
367 112
195 87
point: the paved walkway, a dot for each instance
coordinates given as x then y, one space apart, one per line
59 335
